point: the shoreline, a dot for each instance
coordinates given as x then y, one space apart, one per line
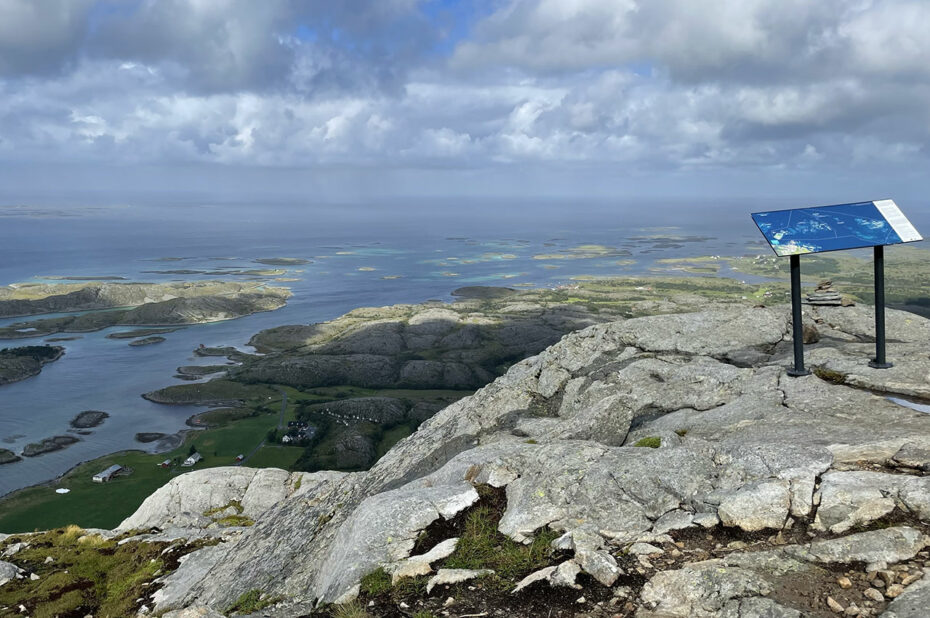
178 325
181 435
578 288
51 482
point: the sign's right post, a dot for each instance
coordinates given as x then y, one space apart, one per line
879 362
797 327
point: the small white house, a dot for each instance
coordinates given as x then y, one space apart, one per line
193 459
107 474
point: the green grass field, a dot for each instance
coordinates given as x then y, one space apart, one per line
105 505
233 431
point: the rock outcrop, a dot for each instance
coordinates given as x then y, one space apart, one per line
203 498
459 346
741 449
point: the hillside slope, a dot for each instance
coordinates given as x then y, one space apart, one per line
763 494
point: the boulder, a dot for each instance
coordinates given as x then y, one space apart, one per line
8 571
701 590
756 506
851 498
384 529
885 546
196 499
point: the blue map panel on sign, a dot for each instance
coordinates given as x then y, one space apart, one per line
831 228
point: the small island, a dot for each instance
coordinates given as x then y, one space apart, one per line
8 456
149 436
146 341
20 363
88 419
140 332
48 445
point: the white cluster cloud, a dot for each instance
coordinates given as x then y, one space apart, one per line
649 85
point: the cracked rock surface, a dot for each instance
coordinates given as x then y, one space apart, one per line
743 449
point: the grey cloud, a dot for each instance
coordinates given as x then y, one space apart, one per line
223 46
217 46
644 87
40 36
737 40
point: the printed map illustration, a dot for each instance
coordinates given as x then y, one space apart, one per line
828 228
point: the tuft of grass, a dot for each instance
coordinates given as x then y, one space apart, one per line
410 587
353 609
376 582
481 546
681 432
71 533
649 442
250 601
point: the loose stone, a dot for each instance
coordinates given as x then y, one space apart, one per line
894 590
910 579
834 606
874 595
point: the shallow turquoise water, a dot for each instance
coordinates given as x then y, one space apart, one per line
433 247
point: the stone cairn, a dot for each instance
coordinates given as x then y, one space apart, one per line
824 295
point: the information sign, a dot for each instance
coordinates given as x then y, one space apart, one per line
831 228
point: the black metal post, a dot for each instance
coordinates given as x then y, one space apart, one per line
879 362
798 369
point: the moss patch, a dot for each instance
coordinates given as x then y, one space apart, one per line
87 574
235 520
829 375
649 442
233 504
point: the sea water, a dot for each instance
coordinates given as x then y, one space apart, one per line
360 255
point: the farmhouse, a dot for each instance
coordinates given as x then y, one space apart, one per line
193 459
108 474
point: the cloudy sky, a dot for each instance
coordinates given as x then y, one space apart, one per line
435 97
